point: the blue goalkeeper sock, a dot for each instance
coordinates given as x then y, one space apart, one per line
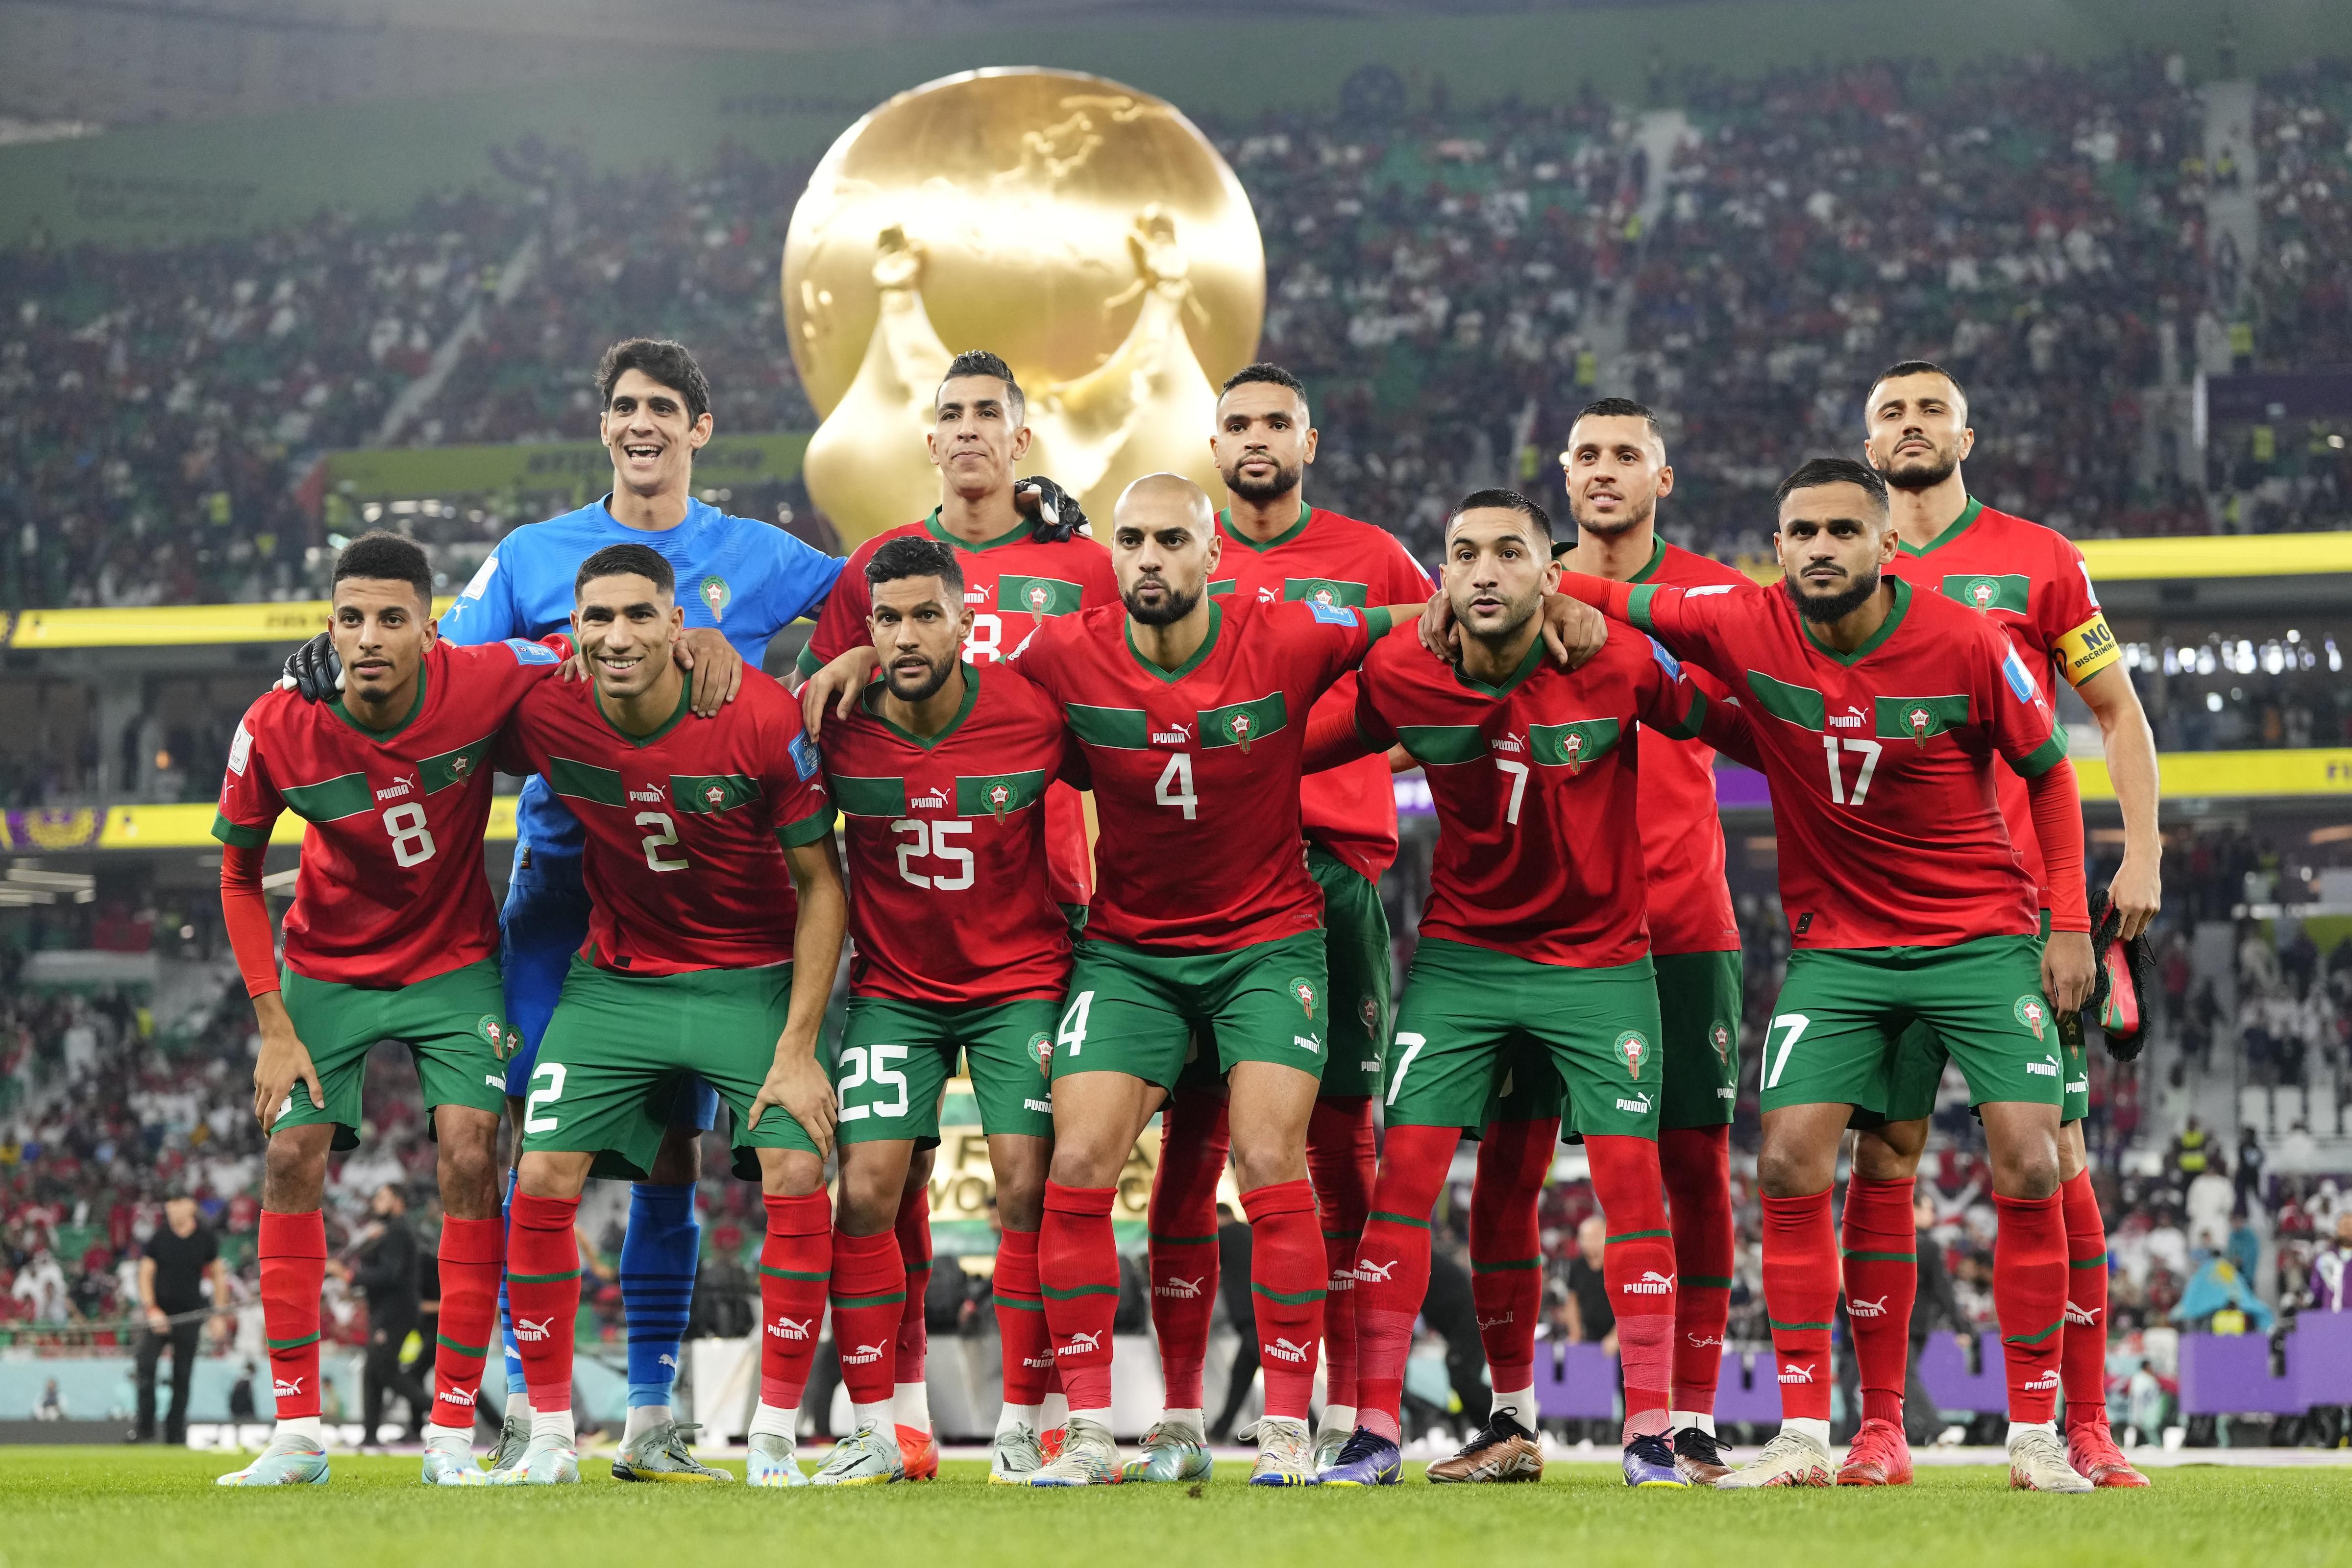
516 1388
658 1255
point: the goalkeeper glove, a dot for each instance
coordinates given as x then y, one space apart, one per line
1056 510
313 670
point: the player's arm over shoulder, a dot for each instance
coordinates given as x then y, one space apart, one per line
486 609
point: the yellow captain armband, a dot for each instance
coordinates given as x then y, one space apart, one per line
2088 649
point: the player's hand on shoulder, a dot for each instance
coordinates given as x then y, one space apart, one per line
1437 631
312 672
714 667
1058 514
798 1084
1573 630
836 686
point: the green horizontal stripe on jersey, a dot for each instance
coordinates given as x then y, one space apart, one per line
816 824
999 794
1880 1257
461 1349
1504 1266
2044 757
1114 729
330 800
1799 705
1327 591
2035 1339
1288 1297
437 774
869 797
238 834
1575 744
1917 718
1690 728
1220 587
1794 1327
707 794
1038 595
292 1344
542 1278
1073 1294
1437 745
1990 591
795 1273
1244 723
1636 1235
1399 1219
584 781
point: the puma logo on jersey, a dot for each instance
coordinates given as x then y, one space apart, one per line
864 1355
1639 1105
396 788
1651 1283
1377 1273
1178 733
2084 1317
1506 741
1306 1043
529 1332
1857 1308
1851 718
785 1328
2043 1069
1267 595
647 797
1180 1288
977 593
1044 1107
1799 1373
1039 1362
497 1083
936 798
457 1397
1342 1278
1283 1350
1082 1344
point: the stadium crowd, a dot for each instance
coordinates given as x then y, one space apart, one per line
1448 276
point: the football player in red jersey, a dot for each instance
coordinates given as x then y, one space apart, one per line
2031 583
714 931
1877 708
1025 558
1276 547
392 935
958 952
1533 950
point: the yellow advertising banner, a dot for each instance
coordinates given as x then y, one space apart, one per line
175 625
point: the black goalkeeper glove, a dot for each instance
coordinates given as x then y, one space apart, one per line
1056 510
2123 984
313 670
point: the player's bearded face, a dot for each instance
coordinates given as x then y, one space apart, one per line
1919 431
918 625
1263 441
1162 562
381 631
976 435
1615 470
1830 550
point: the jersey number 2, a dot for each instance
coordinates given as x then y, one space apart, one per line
663 837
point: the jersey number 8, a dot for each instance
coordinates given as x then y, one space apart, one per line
412 841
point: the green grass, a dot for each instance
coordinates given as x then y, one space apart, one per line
79 1505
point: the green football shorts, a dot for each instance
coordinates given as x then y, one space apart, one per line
1698 1026
1356 944
894 1059
454 1025
1919 1057
1834 1030
1139 1013
1474 1017
620 1045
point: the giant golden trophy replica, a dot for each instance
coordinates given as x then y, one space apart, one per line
1085 231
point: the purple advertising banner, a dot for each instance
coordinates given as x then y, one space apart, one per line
1736 789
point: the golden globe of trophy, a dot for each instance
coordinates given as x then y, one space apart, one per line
1086 232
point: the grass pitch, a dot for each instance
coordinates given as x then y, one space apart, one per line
81 1506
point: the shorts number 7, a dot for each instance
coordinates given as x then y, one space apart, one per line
1795 1024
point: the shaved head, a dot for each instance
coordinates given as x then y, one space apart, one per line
1163 542
1159 499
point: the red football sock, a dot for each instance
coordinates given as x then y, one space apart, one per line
2083 1348
1021 1320
2028 1297
869 1291
543 1294
1881 1250
795 1262
1078 1266
293 1255
1696 1165
913 1229
1506 1250
471 1257
1638 1266
1194 1139
1801 1288
1392 1266
1342 1161
1287 1275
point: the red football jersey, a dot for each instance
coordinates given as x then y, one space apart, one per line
685 827
1015 585
949 901
1196 770
1533 782
1333 560
391 890
1682 835
1880 761
2031 583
